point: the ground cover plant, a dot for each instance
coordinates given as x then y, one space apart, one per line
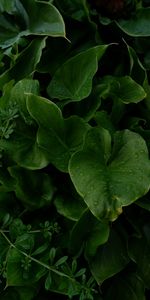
74 149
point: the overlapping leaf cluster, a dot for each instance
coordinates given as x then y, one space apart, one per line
74 149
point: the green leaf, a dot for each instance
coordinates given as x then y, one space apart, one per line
97 237
10 293
26 62
61 261
90 232
138 24
28 17
40 189
75 9
40 250
17 228
106 182
44 18
129 286
61 285
22 146
25 242
78 72
137 71
139 252
107 262
27 292
123 88
48 281
130 91
103 120
18 95
69 206
144 202
57 136
6 6
16 275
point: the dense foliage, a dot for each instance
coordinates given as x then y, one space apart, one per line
74 149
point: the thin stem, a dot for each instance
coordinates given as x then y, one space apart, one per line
50 268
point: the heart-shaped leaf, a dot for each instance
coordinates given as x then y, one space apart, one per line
109 181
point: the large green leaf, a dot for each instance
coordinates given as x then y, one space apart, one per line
57 136
126 287
108 182
139 251
138 25
44 18
110 258
73 80
31 18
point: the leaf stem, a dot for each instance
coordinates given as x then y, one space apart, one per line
50 268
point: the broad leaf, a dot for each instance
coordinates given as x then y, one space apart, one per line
138 25
90 232
69 207
107 182
123 88
31 18
57 136
108 261
40 188
44 18
73 80
139 251
22 147
126 287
